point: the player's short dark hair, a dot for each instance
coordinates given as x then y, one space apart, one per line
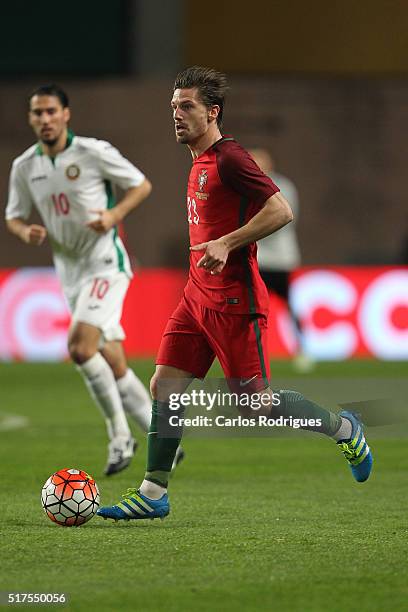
211 84
51 90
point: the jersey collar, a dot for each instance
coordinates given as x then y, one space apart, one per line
222 139
217 142
70 138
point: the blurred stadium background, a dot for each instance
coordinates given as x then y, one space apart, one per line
323 86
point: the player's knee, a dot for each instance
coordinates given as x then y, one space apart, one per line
118 368
153 386
119 371
80 351
159 387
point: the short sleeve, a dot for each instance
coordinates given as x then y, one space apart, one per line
118 169
238 171
19 203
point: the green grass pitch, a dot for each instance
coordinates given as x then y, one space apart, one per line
256 524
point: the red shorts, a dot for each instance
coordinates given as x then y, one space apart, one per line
195 335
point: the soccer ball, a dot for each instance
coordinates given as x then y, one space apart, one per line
70 497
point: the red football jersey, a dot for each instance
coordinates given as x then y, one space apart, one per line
225 190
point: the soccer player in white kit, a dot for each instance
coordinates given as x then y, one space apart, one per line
70 179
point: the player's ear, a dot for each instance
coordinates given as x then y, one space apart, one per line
67 114
213 112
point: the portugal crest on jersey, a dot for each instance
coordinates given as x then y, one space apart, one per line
72 172
202 180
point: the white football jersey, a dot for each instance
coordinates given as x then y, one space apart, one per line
65 190
280 251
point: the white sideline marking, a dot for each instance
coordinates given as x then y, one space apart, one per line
9 422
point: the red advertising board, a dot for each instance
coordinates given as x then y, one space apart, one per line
346 312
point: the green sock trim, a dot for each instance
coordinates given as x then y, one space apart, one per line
294 404
159 478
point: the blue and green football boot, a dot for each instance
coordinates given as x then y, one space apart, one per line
355 449
135 505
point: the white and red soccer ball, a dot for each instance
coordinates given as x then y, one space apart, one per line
70 497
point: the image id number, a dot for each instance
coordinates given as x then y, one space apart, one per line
34 598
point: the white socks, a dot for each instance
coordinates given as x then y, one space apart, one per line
152 490
136 400
115 397
344 433
101 384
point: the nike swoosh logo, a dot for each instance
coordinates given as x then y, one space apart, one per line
243 383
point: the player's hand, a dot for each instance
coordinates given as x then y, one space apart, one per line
105 221
215 256
34 234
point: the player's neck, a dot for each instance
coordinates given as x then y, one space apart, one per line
58 146
205 141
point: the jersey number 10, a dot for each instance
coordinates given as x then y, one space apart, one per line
99 288
61 204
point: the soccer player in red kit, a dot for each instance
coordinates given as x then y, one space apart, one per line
231 204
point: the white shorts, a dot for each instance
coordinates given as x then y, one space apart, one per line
100 303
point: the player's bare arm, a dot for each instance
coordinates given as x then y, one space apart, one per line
131 200
275 214
30 234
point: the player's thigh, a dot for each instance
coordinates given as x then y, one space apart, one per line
183 345
114 354
100 303
240 343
